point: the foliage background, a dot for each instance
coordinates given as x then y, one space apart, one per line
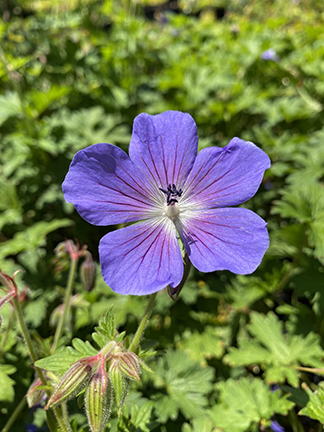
235 353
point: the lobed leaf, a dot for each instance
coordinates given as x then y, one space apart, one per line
278 353
245 402
315 406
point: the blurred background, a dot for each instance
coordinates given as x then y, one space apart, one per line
77 72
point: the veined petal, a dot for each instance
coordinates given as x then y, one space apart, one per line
226 176
164 146
232 239
142 258
105 187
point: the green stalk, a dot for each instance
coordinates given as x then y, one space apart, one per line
65 412
14 415
143 323
27 339
6 333
67 296
295 422
33 356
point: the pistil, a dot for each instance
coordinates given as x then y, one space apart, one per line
172 211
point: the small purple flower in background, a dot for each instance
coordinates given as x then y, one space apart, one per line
275 427
270 54
32 428
173 192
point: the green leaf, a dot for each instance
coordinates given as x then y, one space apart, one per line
32 237
141 416
278 353
39 100
100 339
10 106
61 361
7 392
36 310
245 402
246 290
186 384
203 346
306 205
107 324
200 424
84 348
315 406
298 396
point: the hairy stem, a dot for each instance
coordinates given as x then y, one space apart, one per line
143 323
67 296
33 356
65 413
4 337
26 336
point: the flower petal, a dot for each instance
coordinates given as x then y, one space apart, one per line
232 239
142 258
226 176
104 186
164 146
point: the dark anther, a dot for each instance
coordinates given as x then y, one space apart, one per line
171 192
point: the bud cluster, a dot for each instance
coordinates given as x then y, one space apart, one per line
102 377
9 286
88 271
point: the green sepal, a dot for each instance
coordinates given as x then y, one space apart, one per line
144 366
120 337
127 342
80 399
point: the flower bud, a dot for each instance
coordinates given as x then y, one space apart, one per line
129 365
34 395
98 399
88 272
118 383
75 379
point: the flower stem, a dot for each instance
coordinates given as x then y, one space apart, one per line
14 415
65 413
26 336
33 356
6 333
295 422
68 292
143 323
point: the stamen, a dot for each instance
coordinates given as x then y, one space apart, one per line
171 192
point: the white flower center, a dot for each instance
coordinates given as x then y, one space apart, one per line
172 211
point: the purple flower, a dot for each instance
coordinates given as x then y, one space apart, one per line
270 54
33 428
174 193
275 427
